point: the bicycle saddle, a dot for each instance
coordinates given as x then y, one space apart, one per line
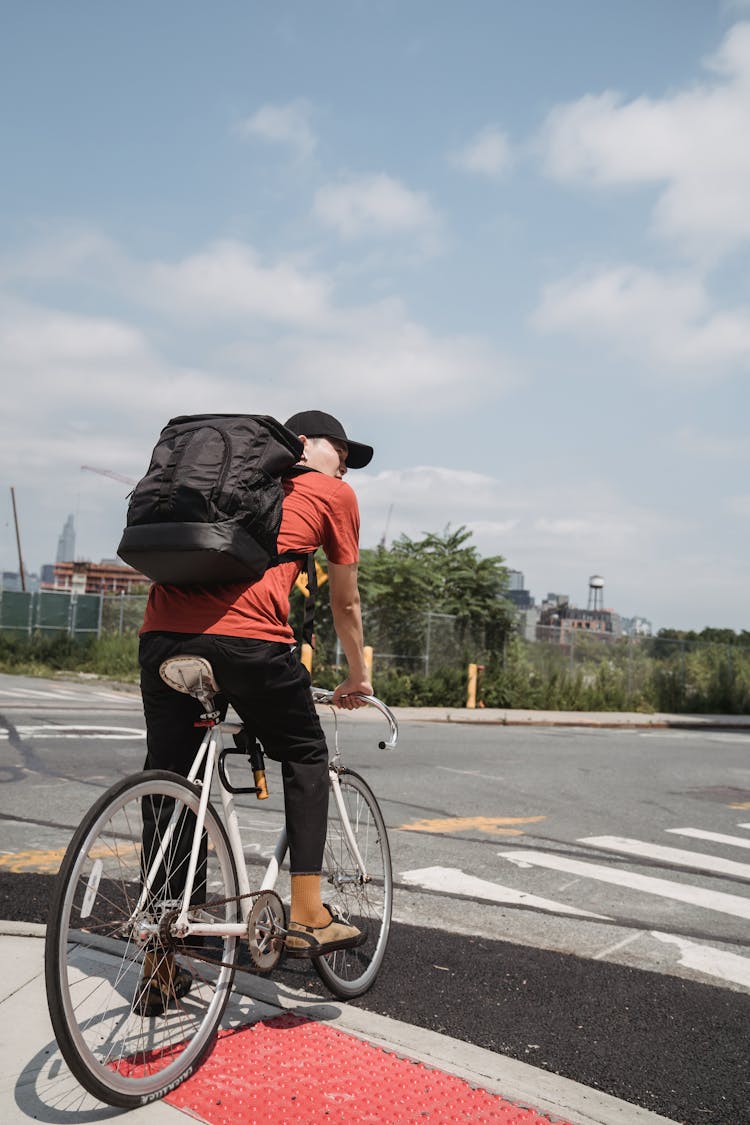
192 675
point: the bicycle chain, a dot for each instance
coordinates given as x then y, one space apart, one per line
190 951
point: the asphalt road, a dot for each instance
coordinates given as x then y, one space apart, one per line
547 906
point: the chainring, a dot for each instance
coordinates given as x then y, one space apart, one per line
266 930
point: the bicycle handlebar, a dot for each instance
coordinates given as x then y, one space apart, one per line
322 695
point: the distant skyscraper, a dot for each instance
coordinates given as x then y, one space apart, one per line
66 544
515 580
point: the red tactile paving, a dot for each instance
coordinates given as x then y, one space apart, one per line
293 1070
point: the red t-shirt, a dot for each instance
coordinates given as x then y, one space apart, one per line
318 511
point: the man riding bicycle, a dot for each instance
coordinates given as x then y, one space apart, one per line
244 631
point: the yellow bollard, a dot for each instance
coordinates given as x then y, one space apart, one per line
368 661
306 657
471 687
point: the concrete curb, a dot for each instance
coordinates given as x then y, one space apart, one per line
628 720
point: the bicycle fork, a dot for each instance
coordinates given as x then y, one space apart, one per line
351 841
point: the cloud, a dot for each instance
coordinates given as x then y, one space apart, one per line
398 363
371 206
666 321
63 254
283 124
32 339
274 317
691 144
227 280
487 154
260 334
372 353
691 442
737 507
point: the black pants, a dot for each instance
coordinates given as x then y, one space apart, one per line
270 691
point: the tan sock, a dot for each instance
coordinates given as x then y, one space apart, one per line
307 905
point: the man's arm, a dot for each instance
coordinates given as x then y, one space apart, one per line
347 620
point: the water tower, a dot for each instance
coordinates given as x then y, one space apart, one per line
596 592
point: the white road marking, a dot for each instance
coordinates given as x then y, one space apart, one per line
80 695
696 896
712 962
676 856
472 773
81 731
714 837
618 945
33 693
451 880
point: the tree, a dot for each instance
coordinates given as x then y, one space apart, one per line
438 574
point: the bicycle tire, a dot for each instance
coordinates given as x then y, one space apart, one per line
368 905
94 953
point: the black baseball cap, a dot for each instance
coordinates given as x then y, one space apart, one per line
315 423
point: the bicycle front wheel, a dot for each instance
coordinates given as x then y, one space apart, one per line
358 886
109 934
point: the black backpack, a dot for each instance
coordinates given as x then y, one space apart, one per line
208 510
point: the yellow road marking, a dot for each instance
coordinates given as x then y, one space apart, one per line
741 805
48 862
493 825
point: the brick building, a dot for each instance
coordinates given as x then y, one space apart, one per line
106 577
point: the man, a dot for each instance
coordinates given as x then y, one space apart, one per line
243 630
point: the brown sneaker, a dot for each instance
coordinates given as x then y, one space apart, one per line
162 982
316 941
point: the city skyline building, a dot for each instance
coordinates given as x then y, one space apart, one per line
66 544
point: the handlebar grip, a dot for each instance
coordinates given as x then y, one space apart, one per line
322 695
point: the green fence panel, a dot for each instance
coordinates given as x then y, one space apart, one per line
15 611
52 611
85 614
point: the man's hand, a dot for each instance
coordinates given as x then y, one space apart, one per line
343 696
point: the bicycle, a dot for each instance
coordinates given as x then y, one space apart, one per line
153 873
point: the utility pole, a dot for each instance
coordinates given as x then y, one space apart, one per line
18 539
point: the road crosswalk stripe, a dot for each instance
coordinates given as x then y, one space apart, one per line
706 959
713 837
52 694
679 892
77 732
669 855
452 880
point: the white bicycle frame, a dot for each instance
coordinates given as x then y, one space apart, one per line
213 744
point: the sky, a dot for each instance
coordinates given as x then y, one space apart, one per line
507 244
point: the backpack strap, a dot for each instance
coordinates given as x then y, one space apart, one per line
312 586
308 620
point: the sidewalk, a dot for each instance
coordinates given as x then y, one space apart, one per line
507 716
270 1065
497 716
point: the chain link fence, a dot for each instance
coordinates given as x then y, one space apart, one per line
425 644
629 673
572 669
122 613
566 670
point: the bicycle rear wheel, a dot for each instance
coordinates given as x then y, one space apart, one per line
361 892
97 938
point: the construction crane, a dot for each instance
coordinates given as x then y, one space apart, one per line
109 473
